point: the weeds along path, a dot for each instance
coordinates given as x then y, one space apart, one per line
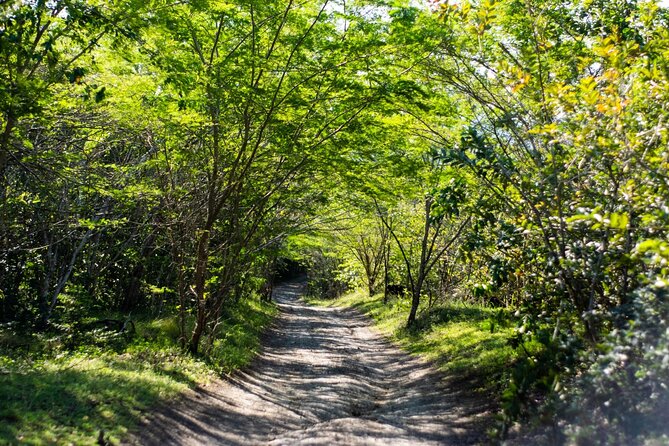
323 378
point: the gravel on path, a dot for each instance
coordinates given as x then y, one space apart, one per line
324 377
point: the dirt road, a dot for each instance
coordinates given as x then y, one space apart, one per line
323 378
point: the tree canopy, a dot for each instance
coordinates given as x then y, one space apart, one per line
508 153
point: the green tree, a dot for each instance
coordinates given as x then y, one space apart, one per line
258 93
553 97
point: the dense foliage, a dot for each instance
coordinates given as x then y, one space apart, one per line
160 158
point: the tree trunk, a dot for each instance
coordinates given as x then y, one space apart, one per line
4 148
66 276
423 268
386 265
201 265
132 292
200 323
182 288
415 301
182 291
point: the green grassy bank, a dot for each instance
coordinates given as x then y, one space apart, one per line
54 393
464 341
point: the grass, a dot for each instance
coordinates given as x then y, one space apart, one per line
458 338
68 396
239 340
69 399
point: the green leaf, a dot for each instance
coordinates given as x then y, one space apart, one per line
618 221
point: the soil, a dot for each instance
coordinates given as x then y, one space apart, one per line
324 377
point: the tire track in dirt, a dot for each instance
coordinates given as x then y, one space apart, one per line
323 378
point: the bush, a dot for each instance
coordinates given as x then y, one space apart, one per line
623 397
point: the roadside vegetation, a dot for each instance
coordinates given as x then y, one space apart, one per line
465 341
166 159
67 387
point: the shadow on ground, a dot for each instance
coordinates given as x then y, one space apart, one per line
323 378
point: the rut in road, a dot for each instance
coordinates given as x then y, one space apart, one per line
323 377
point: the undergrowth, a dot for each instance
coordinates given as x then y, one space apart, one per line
239 340
54 392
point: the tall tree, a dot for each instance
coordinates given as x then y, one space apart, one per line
260 91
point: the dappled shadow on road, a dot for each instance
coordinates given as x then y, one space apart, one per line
323 378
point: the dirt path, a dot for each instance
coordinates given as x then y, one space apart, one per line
323 378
